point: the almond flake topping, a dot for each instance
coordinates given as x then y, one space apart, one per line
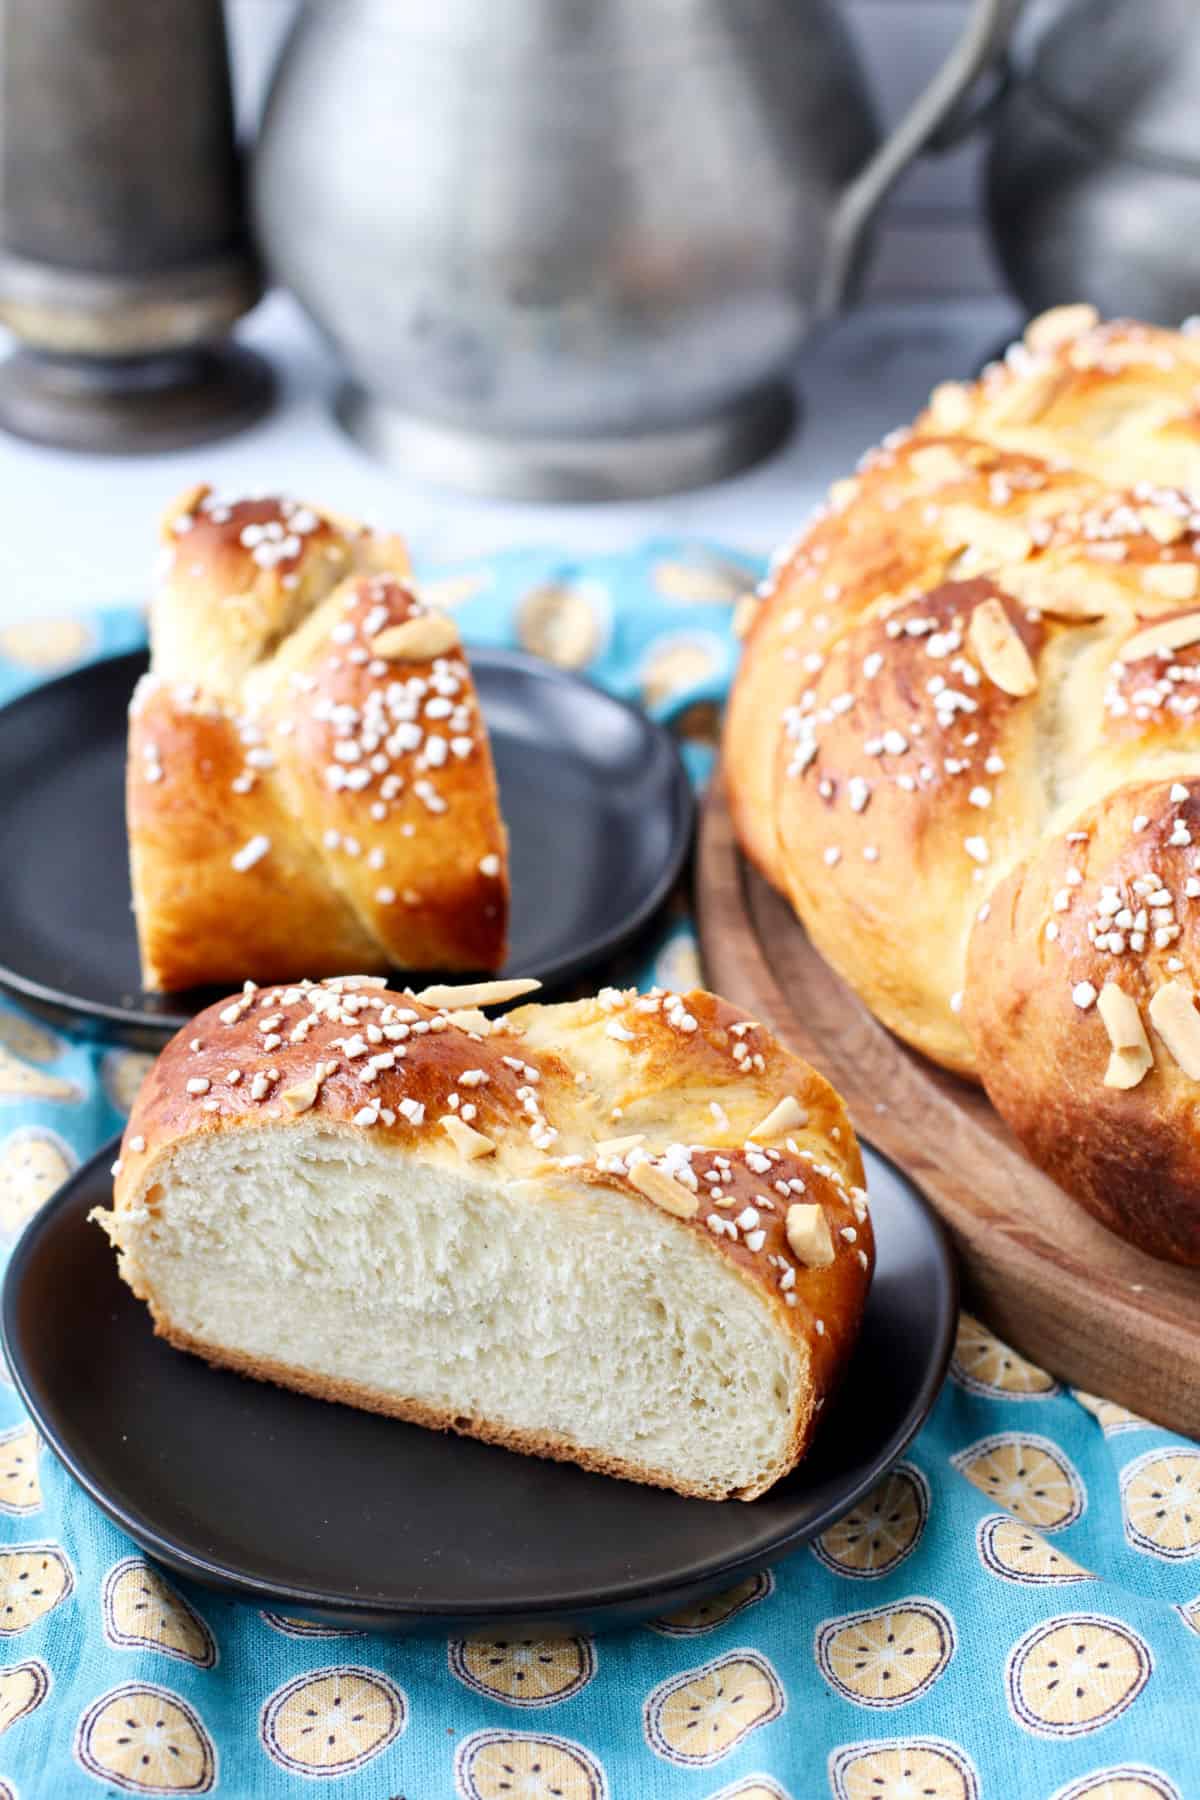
787 1115
808 1235
418 639
664 1190
466 1140
1174 1017
1002 656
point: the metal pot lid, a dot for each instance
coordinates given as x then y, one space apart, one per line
1127 75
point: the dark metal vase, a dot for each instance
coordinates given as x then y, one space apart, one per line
124 258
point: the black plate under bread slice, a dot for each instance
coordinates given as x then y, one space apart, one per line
597 802
317 1510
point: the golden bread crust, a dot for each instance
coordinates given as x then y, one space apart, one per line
297 800
976 664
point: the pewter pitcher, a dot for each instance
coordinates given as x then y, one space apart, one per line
568 247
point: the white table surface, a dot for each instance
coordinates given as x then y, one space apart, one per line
80 531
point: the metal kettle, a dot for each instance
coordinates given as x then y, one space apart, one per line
1093 176
567 247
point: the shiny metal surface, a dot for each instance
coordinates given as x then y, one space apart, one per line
1093 178
565 246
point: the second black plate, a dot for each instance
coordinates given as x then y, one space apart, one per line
596 799
305 1507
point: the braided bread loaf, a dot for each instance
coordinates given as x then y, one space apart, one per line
309 784
963 741
629 1232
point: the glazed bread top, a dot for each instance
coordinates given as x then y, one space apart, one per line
310 782
681 1102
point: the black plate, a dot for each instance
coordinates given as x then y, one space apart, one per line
597 802
315 1509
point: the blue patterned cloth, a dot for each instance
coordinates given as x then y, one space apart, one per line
1012 1615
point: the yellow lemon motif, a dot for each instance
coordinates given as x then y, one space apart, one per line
675 664
19 1082
1189 1612
1126 1783
334 1721
1029 1476
1074 1674
25 1038
141 1611
519 1765
1160 1500
1112 1418
304 1628
718 1609
46 643
881 1530
146 1740
523 1671
23 1687
916 1769
566 625
677 966
755 1787
34 1579
122 1073
20 1484
34 1163
889 1655
985 1365
1017 1552
709 582
698 1717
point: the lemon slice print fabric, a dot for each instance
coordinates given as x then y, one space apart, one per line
23 1687
333 1721
718 1609
1160 1502
523 1671
1113 1419
43 644
1189 1612
984 1365
34 1579
292 1627
1074 1674
565 623
674 665
24 1037
698 1717
1017 1552
707 582
915 1769
34 1163
1029 1476
1129 1782
145 1740
122 1073
20 1482
141 1611
888 1656
878 1533
18 1081
524 1765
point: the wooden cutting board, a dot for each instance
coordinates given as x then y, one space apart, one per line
1038 1269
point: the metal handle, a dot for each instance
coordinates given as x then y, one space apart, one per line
985 35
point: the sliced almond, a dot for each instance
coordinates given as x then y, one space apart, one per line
938 465
1174 1017
1002 656
950 405
1122 1020
1059 325
180 508
1174 580
787 1115
992 539
298 1099
618 1146
417 640
664 1190
1171 634
1024 398
469 1018
1164 526
478 993
1127 1067
809 1236
744 614
1068 592
466 1140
